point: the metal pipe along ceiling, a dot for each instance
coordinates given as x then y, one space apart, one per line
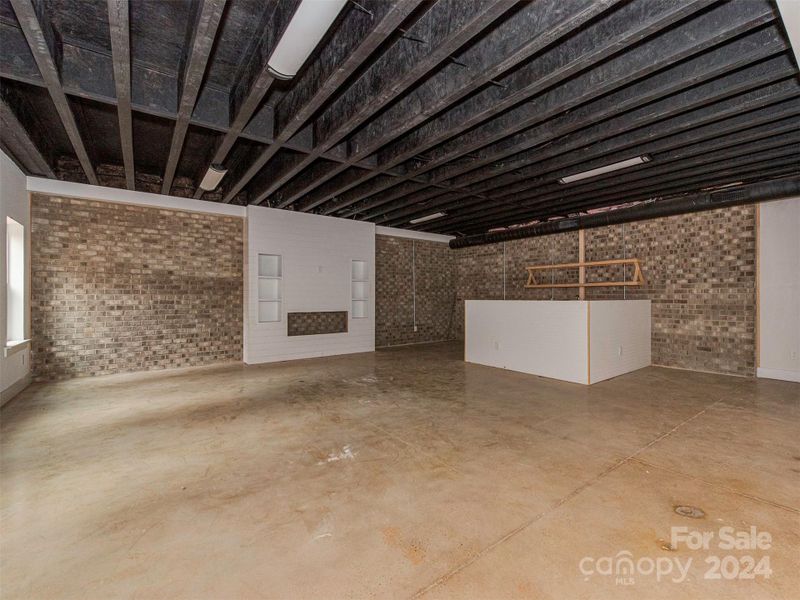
747 194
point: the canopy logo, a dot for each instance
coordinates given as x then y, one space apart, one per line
624 567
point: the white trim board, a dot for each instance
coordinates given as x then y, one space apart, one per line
85 191
790 14
414 235
781 374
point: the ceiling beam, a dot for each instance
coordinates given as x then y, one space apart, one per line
358 38
744 51
756 172
761 107
701 97
649 178
17 143
204 31
119 28
521 36
253 82
46 51
531 124
441 31
153 92
585 48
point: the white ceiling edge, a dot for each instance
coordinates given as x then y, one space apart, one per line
411 234
790 14
69 189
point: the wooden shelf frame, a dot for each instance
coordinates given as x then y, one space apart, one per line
637 280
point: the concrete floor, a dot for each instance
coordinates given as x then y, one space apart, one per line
396 474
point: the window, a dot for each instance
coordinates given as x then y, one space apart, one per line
15 282
359 289
270 284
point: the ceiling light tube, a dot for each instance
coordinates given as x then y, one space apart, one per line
623 164
428 218
308 25
212 177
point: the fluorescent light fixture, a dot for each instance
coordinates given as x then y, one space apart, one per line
212 177
623 164
310 22
428 218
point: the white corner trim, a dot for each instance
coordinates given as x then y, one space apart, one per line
790 14
411 234
107 194
15 388
781 374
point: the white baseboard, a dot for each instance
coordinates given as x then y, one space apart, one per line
14 389
781 374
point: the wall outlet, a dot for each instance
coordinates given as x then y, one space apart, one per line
794 354
415 329
497 345
619 351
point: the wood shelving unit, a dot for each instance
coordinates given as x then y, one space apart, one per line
637 280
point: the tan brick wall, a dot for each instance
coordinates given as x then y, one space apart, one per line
699 269
394 309
117 288
701 277
316 323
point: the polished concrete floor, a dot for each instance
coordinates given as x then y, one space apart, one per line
402 473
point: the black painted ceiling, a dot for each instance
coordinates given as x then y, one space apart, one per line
474 108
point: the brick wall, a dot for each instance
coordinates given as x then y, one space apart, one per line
316 323
120 288
394 299
699 269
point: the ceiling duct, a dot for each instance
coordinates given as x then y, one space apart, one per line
746 194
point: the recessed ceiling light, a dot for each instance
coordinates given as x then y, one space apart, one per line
428 218
308 25
623 164
212 177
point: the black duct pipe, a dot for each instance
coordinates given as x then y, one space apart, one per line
746 194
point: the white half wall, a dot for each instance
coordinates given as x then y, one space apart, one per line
14 203
779 289
316 256
543 338
619 337
578 341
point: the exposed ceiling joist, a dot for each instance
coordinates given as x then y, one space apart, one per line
739 53
516 130
439 32
764 106
17 143
252 85
119 28
45 48
407 107
705 98
641 181
758 172
389 16
203 34
480 119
